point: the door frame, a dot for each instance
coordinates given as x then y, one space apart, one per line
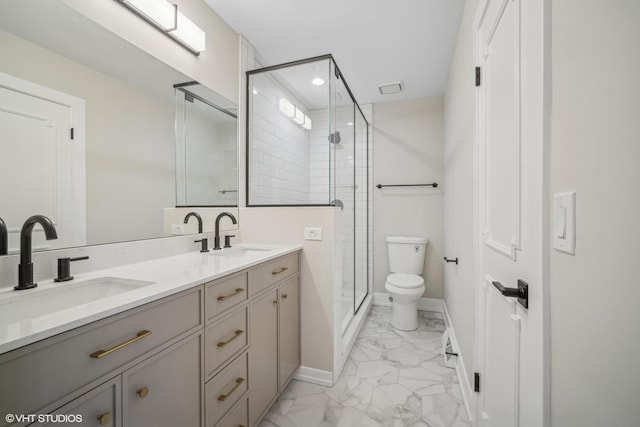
543 298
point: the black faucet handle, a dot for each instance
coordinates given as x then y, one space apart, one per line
205 244
64 268
227 240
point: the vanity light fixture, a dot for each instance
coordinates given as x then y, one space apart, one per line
294 113
299 117
166 17
287 107
317 81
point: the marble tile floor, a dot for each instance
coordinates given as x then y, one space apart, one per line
391 378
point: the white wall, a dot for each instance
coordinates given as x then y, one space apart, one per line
318 266
595 319
459 102
408 139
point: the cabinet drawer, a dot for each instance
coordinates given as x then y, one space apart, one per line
69 361
98 407
238 417
225 389
223 294
265 275
224 339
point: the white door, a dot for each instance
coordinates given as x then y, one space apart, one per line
43 166
510 356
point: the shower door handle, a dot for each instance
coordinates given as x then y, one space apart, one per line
521 292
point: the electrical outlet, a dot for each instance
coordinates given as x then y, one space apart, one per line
178 229
312 233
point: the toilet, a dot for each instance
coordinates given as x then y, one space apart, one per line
404 283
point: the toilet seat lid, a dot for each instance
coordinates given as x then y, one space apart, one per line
407 281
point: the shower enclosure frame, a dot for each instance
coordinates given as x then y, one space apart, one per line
248 204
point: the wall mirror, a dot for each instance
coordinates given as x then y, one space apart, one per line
90 136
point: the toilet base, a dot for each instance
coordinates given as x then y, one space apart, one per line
404 316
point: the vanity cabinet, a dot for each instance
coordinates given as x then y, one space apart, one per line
274 343
99 407
165 389
216 355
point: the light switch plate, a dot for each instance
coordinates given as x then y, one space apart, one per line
178 229
564 222
312 233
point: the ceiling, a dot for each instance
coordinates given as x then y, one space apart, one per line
373 41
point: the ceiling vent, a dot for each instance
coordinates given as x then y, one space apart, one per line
390 88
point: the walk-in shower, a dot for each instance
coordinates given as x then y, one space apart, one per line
308 145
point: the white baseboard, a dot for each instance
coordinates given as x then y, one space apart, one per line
461 371
426 304
315 376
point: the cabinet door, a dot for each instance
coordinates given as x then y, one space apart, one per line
98 407
289 323
166 389
263 354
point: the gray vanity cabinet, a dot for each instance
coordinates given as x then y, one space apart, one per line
99 407
263 354
274 321
165 390
289 330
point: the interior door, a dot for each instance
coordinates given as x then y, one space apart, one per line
36 125
510 346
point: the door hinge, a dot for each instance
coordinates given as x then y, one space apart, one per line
71 133
477 76
476 382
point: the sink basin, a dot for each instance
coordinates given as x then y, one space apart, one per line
243 250
58 297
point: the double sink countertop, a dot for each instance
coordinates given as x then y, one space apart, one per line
52 308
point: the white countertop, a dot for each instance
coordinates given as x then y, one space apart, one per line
169 276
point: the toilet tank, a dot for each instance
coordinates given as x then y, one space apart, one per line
406 254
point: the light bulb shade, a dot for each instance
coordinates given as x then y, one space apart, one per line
307 123
189 33
158 11
287 108
299 117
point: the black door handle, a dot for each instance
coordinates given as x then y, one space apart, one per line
521 292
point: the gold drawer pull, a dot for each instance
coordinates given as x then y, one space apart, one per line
236 292
280 270
237 334
104 419
224 397
102 353
284 296
143 392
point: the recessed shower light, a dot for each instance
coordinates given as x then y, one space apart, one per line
349 123
317 81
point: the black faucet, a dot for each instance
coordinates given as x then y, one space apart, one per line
216 239
198 217
4 238
25 269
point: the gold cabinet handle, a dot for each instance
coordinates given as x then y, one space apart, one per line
102 353
284 296
275 301
234 293
104 419
236 335
224 397
280 270
143 392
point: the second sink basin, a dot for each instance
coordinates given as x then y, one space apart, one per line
54 298
242 250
